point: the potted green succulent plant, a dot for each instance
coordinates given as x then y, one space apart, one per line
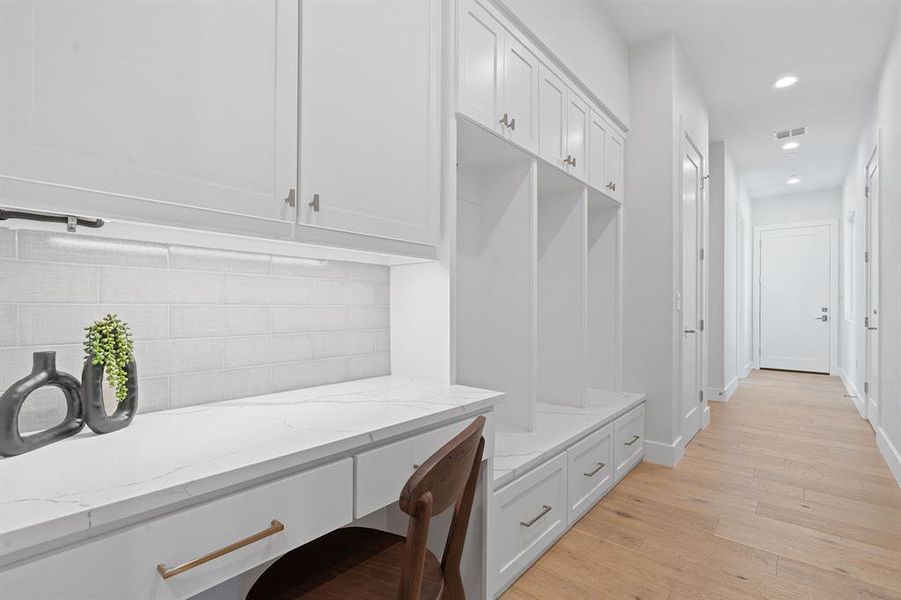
109 356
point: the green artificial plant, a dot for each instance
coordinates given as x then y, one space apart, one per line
109 343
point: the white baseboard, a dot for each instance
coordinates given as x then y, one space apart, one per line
853 393
661 453
747 369
706 417
889 453
723 395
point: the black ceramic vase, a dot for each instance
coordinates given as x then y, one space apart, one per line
43 373
95 413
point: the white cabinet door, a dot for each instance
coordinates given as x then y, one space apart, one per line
577 135
615 166
520 94
598 132
370 118
183 102
552 118
480 64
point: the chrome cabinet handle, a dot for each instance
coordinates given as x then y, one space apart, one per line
573 163
823 318
166 573
690 331
291 200
315 203
512 124
544 510
614 186
505 120
635 438
594 472
872 328
569 160
610 186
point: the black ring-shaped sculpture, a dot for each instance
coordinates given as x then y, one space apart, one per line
43 373
95 413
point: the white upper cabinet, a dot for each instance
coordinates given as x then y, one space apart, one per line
615 186
370 122
497 77
598 132
520 91
552 118
577 136
180 102
480 64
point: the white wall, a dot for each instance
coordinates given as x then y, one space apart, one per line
662 96
816 205
885 128
744 246
581 35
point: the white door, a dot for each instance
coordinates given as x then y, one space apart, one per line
615 167
871 317
598 132
182 102
795 298
370 117
577 135
480 64
520 95
552 118
690 297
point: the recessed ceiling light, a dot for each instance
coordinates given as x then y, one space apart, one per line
790 145
787 81
793 180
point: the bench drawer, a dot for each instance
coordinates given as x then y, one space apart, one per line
528 516
589 471
629 441
124 564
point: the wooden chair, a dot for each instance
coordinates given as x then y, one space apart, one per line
357 563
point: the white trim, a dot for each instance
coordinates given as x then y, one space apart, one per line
853 394
746 370
833 286
706 417
723 395
889 453
661 453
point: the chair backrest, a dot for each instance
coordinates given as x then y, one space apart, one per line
448 478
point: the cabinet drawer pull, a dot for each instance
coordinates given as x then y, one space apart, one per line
594 472
315 203
166 573
635 438
505 120
513 124
544 510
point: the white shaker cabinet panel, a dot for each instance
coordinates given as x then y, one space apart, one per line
480 64
370 118
598 132
615 167
552 118
577 135
520 95
182 102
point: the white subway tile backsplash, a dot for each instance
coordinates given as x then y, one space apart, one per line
25 281
308 267
43 409
208 325
78 248
8 317
219 321
214 386
7 243
219 261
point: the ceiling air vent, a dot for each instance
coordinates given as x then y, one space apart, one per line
790 133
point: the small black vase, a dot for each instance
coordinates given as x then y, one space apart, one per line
92 394
43 373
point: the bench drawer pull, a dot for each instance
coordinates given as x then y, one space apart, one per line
544 510
635 438
595 471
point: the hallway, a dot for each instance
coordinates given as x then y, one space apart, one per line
784 495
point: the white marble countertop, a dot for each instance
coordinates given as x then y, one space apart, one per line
556 427
89 484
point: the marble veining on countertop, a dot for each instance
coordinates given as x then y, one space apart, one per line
556 427
89 481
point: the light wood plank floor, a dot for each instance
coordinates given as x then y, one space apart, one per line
784 495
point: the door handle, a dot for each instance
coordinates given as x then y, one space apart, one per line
690 331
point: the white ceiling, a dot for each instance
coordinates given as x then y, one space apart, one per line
738 48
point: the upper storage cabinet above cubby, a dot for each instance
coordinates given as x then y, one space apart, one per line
188 113
507 85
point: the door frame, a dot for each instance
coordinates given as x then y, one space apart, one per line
833 286
871 412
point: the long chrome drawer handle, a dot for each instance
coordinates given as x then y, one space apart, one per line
595 472
544 510
635 438
274 528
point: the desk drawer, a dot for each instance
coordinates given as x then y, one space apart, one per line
589 471
124 564
629 440
381 473
528 515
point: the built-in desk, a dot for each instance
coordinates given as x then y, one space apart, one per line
95 516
